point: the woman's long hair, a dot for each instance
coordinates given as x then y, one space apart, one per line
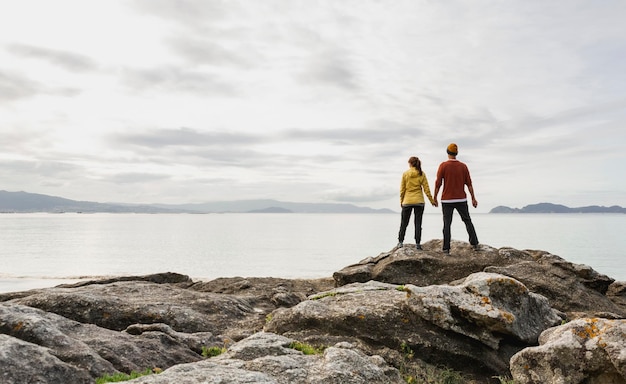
416 163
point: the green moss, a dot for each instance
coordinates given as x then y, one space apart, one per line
307 349
505 380
407 352
212 351
323 295
435 376
117 377
415 371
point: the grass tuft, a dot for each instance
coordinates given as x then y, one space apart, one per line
307 349
323 295
118 377
505 380
212 351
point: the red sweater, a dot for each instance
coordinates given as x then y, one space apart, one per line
455 176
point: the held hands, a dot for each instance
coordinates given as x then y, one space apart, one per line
434 203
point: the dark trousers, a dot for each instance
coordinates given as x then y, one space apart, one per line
418 211
448 210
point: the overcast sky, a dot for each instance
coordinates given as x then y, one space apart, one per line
163 101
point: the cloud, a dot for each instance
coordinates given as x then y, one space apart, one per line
206 51
174 79
194 148
331 67
368 196
32 174
186 137
67 60
14 86
190 13
318 100
137 177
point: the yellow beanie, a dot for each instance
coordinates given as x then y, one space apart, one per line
453 149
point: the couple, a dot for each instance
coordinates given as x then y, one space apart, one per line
454 176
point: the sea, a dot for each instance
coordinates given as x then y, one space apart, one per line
40 250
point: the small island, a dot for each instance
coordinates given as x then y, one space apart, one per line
558 208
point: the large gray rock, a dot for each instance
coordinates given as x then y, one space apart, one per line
486 307
589 351
133 323
268 358
18 359
65 351
438 313
231 307
428 266
575 289
617 294
462 325
121 304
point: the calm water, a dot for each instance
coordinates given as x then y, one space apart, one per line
38 250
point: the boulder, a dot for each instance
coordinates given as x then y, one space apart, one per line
26 363
617 294
420 311
487 307
574 289
589 351
121 304
266 293
428 266
270 358
69 349
462 326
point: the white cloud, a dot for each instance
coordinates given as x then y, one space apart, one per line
148 101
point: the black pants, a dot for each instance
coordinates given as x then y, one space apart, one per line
418 211
448 210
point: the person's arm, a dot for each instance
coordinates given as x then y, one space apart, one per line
426 189
470 187
402 189
471 191
438 184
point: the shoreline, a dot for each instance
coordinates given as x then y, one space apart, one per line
18 284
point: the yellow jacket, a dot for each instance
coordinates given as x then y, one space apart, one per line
411 188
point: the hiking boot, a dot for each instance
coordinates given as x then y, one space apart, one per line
400 245
476 247
417 246
446 251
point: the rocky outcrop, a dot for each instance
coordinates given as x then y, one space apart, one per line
406 314
74 333
590 351
270 358
575 289
120 304
76 353
463 324
617 294
428 266
17 359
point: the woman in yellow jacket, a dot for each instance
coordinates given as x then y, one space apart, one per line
412 188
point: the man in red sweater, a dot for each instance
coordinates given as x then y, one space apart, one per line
454 176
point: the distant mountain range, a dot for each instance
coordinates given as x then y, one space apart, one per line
272 206
558 208
25 202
